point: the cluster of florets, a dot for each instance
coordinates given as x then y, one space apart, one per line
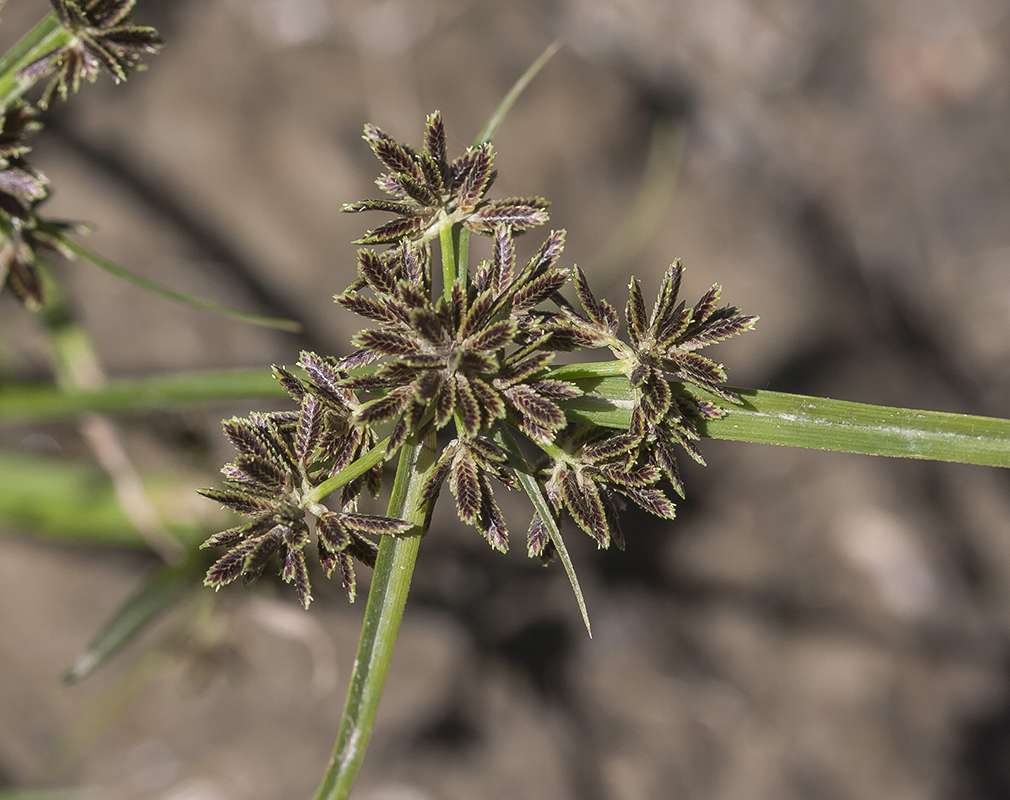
476 359
100 35
283 455
429 192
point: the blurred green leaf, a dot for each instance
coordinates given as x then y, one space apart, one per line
70 502
153 286
167 587
491 127
39 402
62 500
45 794
47 35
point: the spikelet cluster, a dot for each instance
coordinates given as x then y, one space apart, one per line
472 358
101 35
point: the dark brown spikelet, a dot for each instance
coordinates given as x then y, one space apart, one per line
468 464
598 472
22 234
102 36
281 455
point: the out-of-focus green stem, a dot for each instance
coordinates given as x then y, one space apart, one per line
157 288
491 128
76 366
47 35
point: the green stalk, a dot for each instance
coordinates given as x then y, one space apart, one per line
461 252
445 238
353 470
47 35
455 243
386 600
387 595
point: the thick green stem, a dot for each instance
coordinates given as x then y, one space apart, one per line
461 251
47 35
386 600
448 261
390 580
455 244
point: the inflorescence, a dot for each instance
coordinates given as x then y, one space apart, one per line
472 358
99 35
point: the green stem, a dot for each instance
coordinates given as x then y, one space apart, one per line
448 260
386 600
353 470
461 252
455 244
590 369
394 567
47 35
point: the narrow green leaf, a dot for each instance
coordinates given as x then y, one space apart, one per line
824 424
529 483
45 794
41 402
491 127
164 291
47 35
167 587
818 423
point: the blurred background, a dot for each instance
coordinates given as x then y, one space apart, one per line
813 625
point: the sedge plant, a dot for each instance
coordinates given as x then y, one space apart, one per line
453 378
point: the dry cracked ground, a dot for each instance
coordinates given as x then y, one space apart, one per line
812 625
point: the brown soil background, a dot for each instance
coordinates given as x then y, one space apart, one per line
812 625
